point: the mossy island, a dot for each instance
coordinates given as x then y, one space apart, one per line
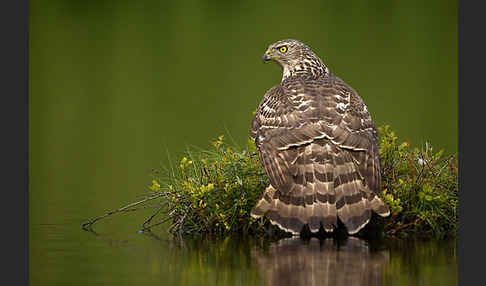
211 193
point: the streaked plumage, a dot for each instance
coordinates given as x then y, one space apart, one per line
318 146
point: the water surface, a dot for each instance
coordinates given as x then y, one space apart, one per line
120 87
76 257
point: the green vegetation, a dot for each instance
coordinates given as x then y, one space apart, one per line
420 187
211 192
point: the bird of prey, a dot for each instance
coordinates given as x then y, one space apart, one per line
318 145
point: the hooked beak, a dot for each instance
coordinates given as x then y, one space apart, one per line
266 57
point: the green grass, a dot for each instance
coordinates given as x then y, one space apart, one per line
211 192
420 186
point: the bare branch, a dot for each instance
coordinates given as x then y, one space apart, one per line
88 226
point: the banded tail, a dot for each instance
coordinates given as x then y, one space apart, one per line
326 185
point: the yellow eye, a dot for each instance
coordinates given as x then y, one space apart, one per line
283 49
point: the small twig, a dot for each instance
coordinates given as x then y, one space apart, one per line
392 231
88 226
447 162
430 168
150 218
147 194
145 228
411 168
142 207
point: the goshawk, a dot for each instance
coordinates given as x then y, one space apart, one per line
318 146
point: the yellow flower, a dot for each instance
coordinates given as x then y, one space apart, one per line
155 186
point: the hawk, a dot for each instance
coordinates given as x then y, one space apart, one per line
318 146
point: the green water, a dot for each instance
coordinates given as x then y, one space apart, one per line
120 87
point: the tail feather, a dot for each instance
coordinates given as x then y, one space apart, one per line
325 212
264 204
326 185
378 206
285 215
352 209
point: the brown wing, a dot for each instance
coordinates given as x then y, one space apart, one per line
299 113
273 107
317 144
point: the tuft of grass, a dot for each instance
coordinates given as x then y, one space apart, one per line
211 192
420 186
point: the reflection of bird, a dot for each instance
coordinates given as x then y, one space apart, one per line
328 262
318 146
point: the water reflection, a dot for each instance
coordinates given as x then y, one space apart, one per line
293 261
239 260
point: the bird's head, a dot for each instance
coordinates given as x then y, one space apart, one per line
295 58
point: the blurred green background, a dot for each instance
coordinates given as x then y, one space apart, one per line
120 87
